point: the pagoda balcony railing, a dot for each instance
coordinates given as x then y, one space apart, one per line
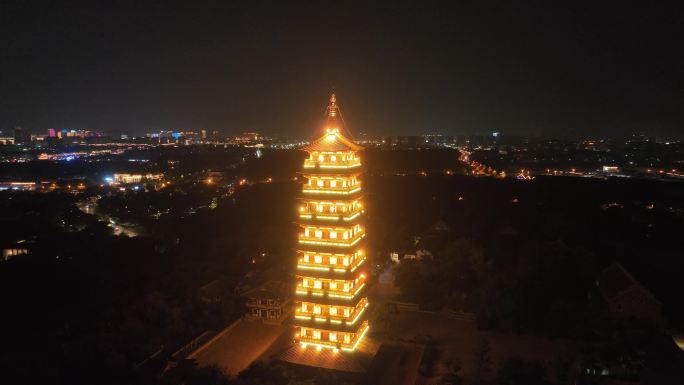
301 265
333 319
312 164
319 343
332 242
328 216
332 190
271 304
301 290
307 340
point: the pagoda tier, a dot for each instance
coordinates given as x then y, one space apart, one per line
340 186
330 265
325 296
331 302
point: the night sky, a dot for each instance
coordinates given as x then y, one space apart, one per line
411 68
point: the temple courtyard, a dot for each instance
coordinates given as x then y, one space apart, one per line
235 348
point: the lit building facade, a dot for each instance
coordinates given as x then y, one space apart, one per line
136 178
331 303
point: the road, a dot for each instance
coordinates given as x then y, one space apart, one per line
89 206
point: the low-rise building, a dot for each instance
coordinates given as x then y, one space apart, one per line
625 296
13 249
136 178
18 186
270 302
213 292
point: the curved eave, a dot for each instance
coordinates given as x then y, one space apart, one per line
305 199
301 250
329 196
331 142
327 300
332 171
327 248
339 222
329 325
330 274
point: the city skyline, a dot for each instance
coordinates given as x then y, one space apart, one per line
406 69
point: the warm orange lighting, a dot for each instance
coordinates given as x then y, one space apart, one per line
329 243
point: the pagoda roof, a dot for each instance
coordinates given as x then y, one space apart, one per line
615 281
326 300
332 141
270 290
329 326
331 274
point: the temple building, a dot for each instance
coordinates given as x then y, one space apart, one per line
270 303
330 296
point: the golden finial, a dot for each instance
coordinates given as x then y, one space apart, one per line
332 108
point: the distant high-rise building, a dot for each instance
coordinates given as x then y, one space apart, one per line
248 138
21 136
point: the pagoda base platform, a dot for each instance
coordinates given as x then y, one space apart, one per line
357 361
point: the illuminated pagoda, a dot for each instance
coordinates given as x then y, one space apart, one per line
330 300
